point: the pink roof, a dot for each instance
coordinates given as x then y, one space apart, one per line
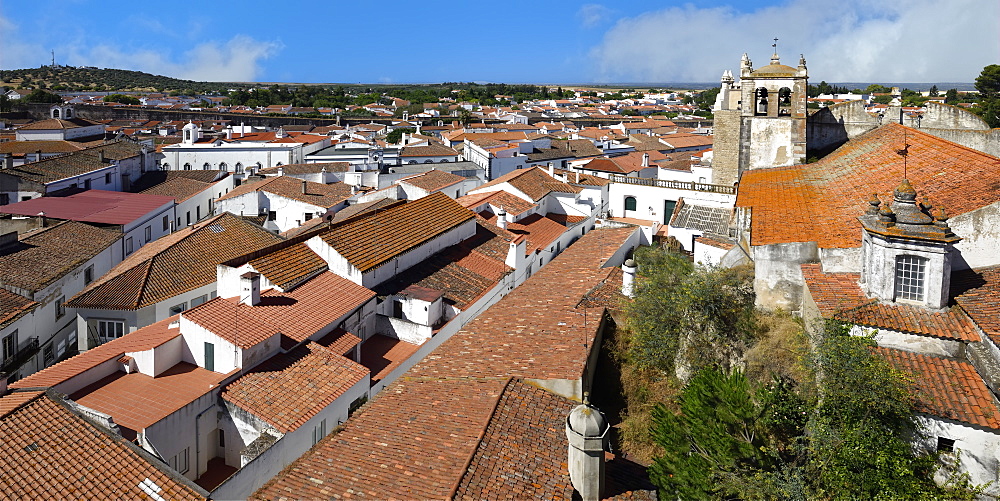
92 206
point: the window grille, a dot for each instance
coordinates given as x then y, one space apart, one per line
910 277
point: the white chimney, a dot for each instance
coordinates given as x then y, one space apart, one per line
229 133
628 278
281 171
645 159
502 218
305 187
577 177
552 170
250 288
587 431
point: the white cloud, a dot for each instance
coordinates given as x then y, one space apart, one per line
236 60
592 14
850 40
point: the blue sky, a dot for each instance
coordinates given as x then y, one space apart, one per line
539 41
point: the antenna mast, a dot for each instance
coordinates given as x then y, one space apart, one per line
53 58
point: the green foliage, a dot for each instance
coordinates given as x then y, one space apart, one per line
877 89
728 440
886 99
5 103
40 96
397 134
951 96
933 92
121 98
706 100
695 316
825 88
86 78
988 81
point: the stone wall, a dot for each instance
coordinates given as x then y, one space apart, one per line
726 147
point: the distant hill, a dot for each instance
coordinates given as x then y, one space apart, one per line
71 78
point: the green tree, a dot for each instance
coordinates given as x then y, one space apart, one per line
988 81
40 96
121 98
5 103
694 316
877 89
933 92
397 134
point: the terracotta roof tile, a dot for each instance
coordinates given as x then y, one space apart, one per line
312 168
512 204
534 182
43 256
948 388
431 150
433 180
820 202
288 389
14 306
297 314
177 263
143 339
289 266
981 301
318 194
137 401
839 296
50 453
380 236
76 162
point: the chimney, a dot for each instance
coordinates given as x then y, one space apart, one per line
229 133
250 288
628 278
38 155
44 221
586 431
7 161
281 171
354 189
305 187
645 159
100 156
552 170
577 177
502 218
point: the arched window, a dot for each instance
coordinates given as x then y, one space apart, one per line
165 166
428 161
443 161
55 112
187 134
223 166
187 166
911 272
412 162
239 168
206 166
784 101
629 203
279 164
761 101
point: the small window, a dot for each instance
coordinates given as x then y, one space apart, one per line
128 246
148 234
222 438
86 184
308 216
272 215
187 218
26 198
946 444
88 275
177 308
109 329
48 355
397 309
107 178
199 300
187 166
910 277
630 203
197 213
319 431
10 345
206 166
209 356
181 462
166 223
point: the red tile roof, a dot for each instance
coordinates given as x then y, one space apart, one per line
52 453
297 314
948 388
92 206
512 204
318 194
433 180
180 262
14 306
981 300
42 256
820 202
289 265
147 338
534 182
137 401
376 238
839 296
288 389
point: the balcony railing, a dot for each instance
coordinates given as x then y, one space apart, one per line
24 352
677 185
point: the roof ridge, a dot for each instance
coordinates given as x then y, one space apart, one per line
479 440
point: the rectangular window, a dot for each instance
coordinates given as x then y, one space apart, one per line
319 431
9 347
177 308
60 307
107 178
128 246
60 348
166 223
946 444
197 213
199 300
272 215
188 217
88 275
48 356
180 461
109 329
4 198
668 210
209 356
86 184
222 438
149 234
397 309
308 216
910 275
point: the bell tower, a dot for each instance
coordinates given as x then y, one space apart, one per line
760 120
